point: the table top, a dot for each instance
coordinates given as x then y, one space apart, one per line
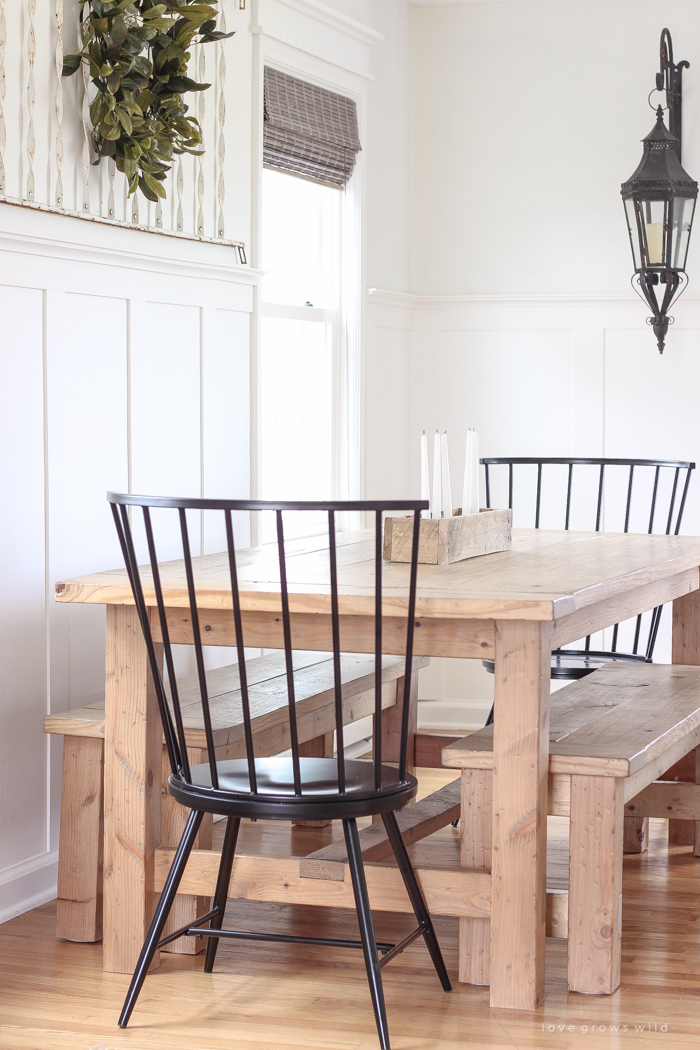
546 575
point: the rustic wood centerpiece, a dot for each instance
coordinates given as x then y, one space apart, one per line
443 541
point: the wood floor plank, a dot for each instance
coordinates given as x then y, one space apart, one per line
55 996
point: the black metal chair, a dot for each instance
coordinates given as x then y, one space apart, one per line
278 788
569 664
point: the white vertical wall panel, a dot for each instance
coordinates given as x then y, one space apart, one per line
165 391
87 420
23 752
388 408
225 419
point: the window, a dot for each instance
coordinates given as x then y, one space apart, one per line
301 343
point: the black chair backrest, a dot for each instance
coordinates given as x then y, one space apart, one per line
665 484
148 591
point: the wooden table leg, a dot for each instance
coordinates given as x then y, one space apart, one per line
186 909
685 649
636 834
520 767
79 903
595 884
133 750
475 853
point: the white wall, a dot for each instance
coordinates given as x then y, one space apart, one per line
525 119
127 361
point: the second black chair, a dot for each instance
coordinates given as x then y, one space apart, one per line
662 487
278 788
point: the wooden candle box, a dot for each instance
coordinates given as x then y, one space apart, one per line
446 540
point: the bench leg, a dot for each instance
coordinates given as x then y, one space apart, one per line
685 649
636 836
391 728
185 908
79 905
319 747
475 853
595 884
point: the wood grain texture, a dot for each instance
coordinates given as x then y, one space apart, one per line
55 996
79 893
520 748
475 853
581 569
595 884
133 750
173 817
432 637
444 541
623 720
278 879
636 833
428 748
666 799
622 606
415 822
685 649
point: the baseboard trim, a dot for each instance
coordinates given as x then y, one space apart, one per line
448 716
28 885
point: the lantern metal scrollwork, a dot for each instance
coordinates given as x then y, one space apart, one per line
659 202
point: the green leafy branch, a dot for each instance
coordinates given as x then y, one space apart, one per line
136 52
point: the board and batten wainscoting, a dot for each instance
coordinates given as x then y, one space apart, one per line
120 369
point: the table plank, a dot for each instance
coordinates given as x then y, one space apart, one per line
546 575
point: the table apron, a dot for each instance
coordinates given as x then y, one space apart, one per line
614 610
469 639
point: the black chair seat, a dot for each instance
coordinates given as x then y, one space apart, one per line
571 664
275 798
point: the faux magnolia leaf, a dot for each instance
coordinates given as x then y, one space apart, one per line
137 55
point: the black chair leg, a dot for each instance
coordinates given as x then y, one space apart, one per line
222 883
489 720
364 918
416 897
161 915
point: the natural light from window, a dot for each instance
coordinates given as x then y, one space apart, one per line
300 333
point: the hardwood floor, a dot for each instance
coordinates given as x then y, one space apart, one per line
54 995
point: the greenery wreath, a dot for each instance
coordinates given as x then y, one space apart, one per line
136 52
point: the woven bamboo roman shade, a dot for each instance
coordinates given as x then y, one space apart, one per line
309 130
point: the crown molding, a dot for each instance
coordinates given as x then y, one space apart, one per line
329 16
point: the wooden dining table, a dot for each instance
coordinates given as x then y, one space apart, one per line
513 607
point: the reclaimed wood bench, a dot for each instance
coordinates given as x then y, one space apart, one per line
79 907
612 734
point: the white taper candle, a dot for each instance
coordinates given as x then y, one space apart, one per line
446 485
424 472
436 506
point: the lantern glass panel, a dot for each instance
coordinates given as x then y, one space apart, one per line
653 218
631 213
683 208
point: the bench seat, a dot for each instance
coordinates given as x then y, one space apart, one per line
612 734
79 909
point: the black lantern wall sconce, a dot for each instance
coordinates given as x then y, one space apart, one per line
659 203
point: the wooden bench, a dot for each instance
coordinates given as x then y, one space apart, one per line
79 909
612 735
